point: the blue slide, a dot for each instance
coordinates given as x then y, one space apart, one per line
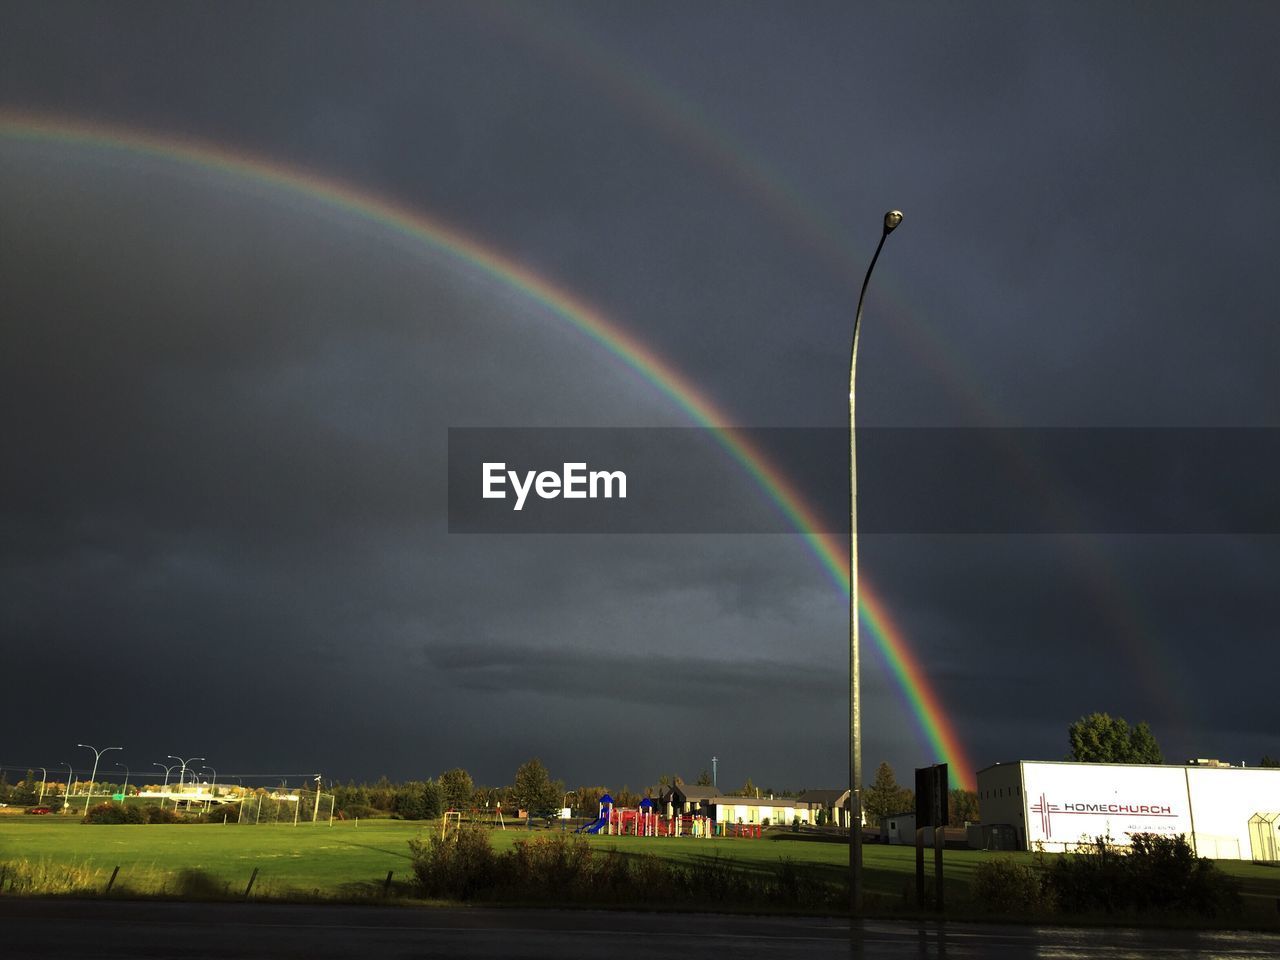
593 827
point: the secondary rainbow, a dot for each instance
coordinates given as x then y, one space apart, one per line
904 666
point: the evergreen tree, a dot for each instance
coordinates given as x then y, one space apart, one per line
885 797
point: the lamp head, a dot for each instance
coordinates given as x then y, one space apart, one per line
891 220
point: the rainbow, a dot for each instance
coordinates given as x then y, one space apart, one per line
614 73
904 665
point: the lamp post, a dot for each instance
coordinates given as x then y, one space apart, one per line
125 791
44 776
891 221
182 775
66 793
165 788
213 788
97 755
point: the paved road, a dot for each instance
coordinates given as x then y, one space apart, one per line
50 930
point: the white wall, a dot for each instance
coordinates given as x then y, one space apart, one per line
754 811
1066 802
1058 804
1222 801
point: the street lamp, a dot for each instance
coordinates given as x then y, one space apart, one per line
44 776
165 788
182 774
124 793
213 788
891 221
66 793
97 755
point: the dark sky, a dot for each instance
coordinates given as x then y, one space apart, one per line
222 500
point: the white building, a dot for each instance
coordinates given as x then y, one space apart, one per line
1059 804
709 802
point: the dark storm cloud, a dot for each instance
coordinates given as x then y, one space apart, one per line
225 411
636 678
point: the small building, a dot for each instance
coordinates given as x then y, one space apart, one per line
1058 804
835 803
701 801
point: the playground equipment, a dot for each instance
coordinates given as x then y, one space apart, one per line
603 821
645 821
452 819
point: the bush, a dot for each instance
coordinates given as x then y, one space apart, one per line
228 812
162 815
461 868
570 869
1156 873
112 812
1006 887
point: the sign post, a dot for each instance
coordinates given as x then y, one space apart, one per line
931 811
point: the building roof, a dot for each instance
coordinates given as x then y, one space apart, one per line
1166 766
828 798
711 795
695 792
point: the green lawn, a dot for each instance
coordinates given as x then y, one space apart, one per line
345 859
307 856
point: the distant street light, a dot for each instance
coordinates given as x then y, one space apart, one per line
213 788
66 792
124 792
891 221
182 774
97 755
44 775
165 788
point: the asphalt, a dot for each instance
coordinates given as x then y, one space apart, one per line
51 929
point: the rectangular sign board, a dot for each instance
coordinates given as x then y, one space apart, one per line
931 796
1068 803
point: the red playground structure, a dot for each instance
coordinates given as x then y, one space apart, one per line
645 821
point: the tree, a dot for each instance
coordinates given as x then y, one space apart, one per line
704 779
1101 738
1270 761
748 789
884 797
962 805
457 788
417 800
534 790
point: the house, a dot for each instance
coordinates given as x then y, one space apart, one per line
834 802
704 801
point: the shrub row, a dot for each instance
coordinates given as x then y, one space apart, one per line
112 812
568 869
1154 874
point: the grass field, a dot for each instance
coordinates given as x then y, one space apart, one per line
347 860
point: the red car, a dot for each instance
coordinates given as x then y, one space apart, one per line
40 810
